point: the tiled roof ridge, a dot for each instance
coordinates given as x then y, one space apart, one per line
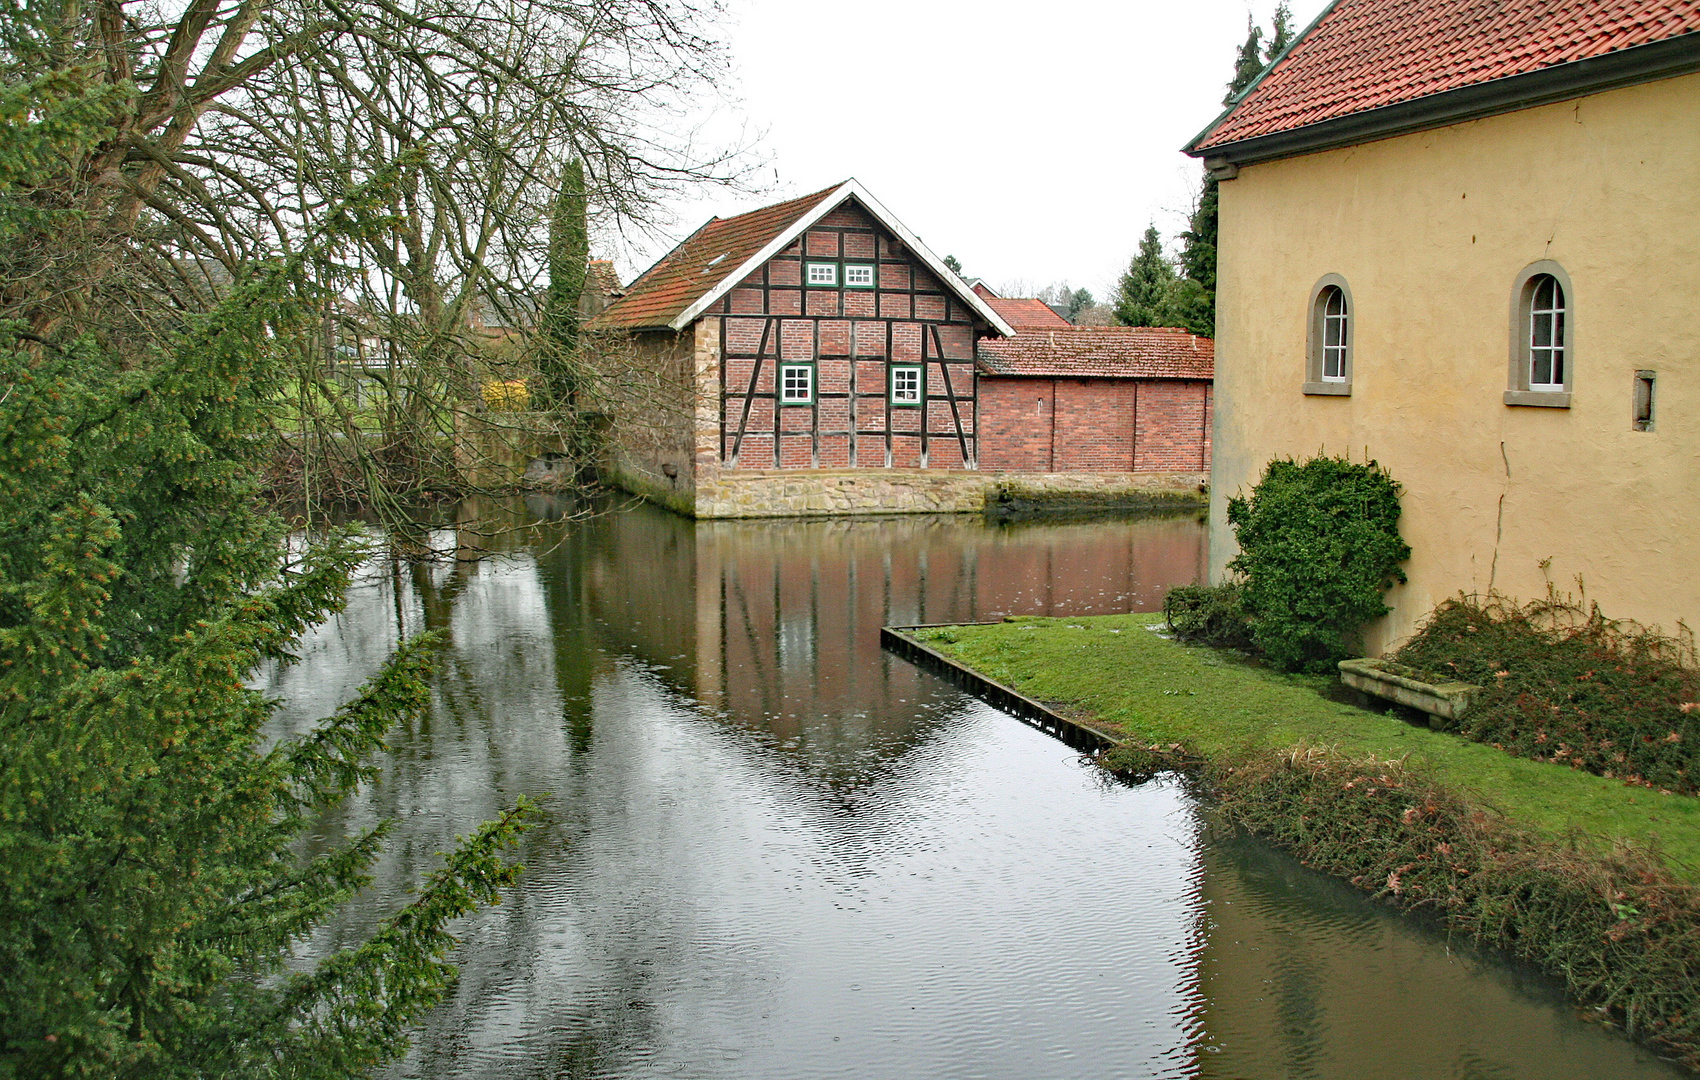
1363 55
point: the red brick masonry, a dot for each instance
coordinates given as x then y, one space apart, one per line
1094 425
1096 399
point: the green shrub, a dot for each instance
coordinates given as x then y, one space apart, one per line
1208 615
1319 545
1563 683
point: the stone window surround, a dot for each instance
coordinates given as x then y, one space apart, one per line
1517 376
1314 384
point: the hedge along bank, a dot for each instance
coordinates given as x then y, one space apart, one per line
1592 879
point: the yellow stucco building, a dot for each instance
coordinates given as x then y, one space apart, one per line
1462 238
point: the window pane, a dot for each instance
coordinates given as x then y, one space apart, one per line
1540 368
1558 367
1335 333
1541 331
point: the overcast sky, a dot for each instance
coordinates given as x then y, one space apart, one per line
1032 141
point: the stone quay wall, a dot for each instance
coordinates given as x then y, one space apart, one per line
752 493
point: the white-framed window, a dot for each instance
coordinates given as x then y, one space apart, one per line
796 384
858 275
1546 333
1328 360
1334 326
907 384
822 273
1543 346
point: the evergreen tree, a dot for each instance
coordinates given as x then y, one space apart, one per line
1280 32
1146 293
1195 302
569 258
1079 300
150 889
955 267
1248 62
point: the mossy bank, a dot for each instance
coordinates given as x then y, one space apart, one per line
1593 879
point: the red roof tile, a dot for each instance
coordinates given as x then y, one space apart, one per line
1368 54
702 261
1100 352
1025 313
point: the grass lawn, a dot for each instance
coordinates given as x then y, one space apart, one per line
1129 681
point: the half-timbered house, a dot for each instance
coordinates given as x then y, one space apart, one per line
808 357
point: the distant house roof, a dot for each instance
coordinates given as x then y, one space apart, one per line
1026 313
1100 352
689 279
1372 68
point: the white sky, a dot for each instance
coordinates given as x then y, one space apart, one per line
1032 141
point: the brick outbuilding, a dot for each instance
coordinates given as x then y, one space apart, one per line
1096 399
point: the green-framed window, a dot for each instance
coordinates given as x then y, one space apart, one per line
796 384
858 275
908 385
821 275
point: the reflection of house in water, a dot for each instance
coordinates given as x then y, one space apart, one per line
773 623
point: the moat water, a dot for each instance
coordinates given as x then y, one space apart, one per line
770 849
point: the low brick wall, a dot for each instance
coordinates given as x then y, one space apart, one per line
752 493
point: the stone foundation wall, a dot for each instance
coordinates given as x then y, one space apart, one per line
750 493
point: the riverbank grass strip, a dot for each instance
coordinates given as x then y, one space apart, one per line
1134 684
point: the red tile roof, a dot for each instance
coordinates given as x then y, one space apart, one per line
1368 54
1025 313
702 261
1100 352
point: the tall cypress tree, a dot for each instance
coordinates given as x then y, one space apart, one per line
569 257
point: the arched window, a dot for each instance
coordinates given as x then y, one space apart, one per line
1542 324
1546 333
1329 363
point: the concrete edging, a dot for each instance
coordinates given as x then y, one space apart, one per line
897 640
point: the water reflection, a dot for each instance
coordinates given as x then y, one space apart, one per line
771 850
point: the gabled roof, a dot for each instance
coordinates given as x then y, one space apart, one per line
703 268
1371 68
1027 313
1100 352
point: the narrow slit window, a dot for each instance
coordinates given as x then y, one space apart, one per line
796 384
1644 400
823 273
906 385
1546 334
858 276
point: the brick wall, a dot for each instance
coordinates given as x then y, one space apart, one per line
853 336
1094 425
